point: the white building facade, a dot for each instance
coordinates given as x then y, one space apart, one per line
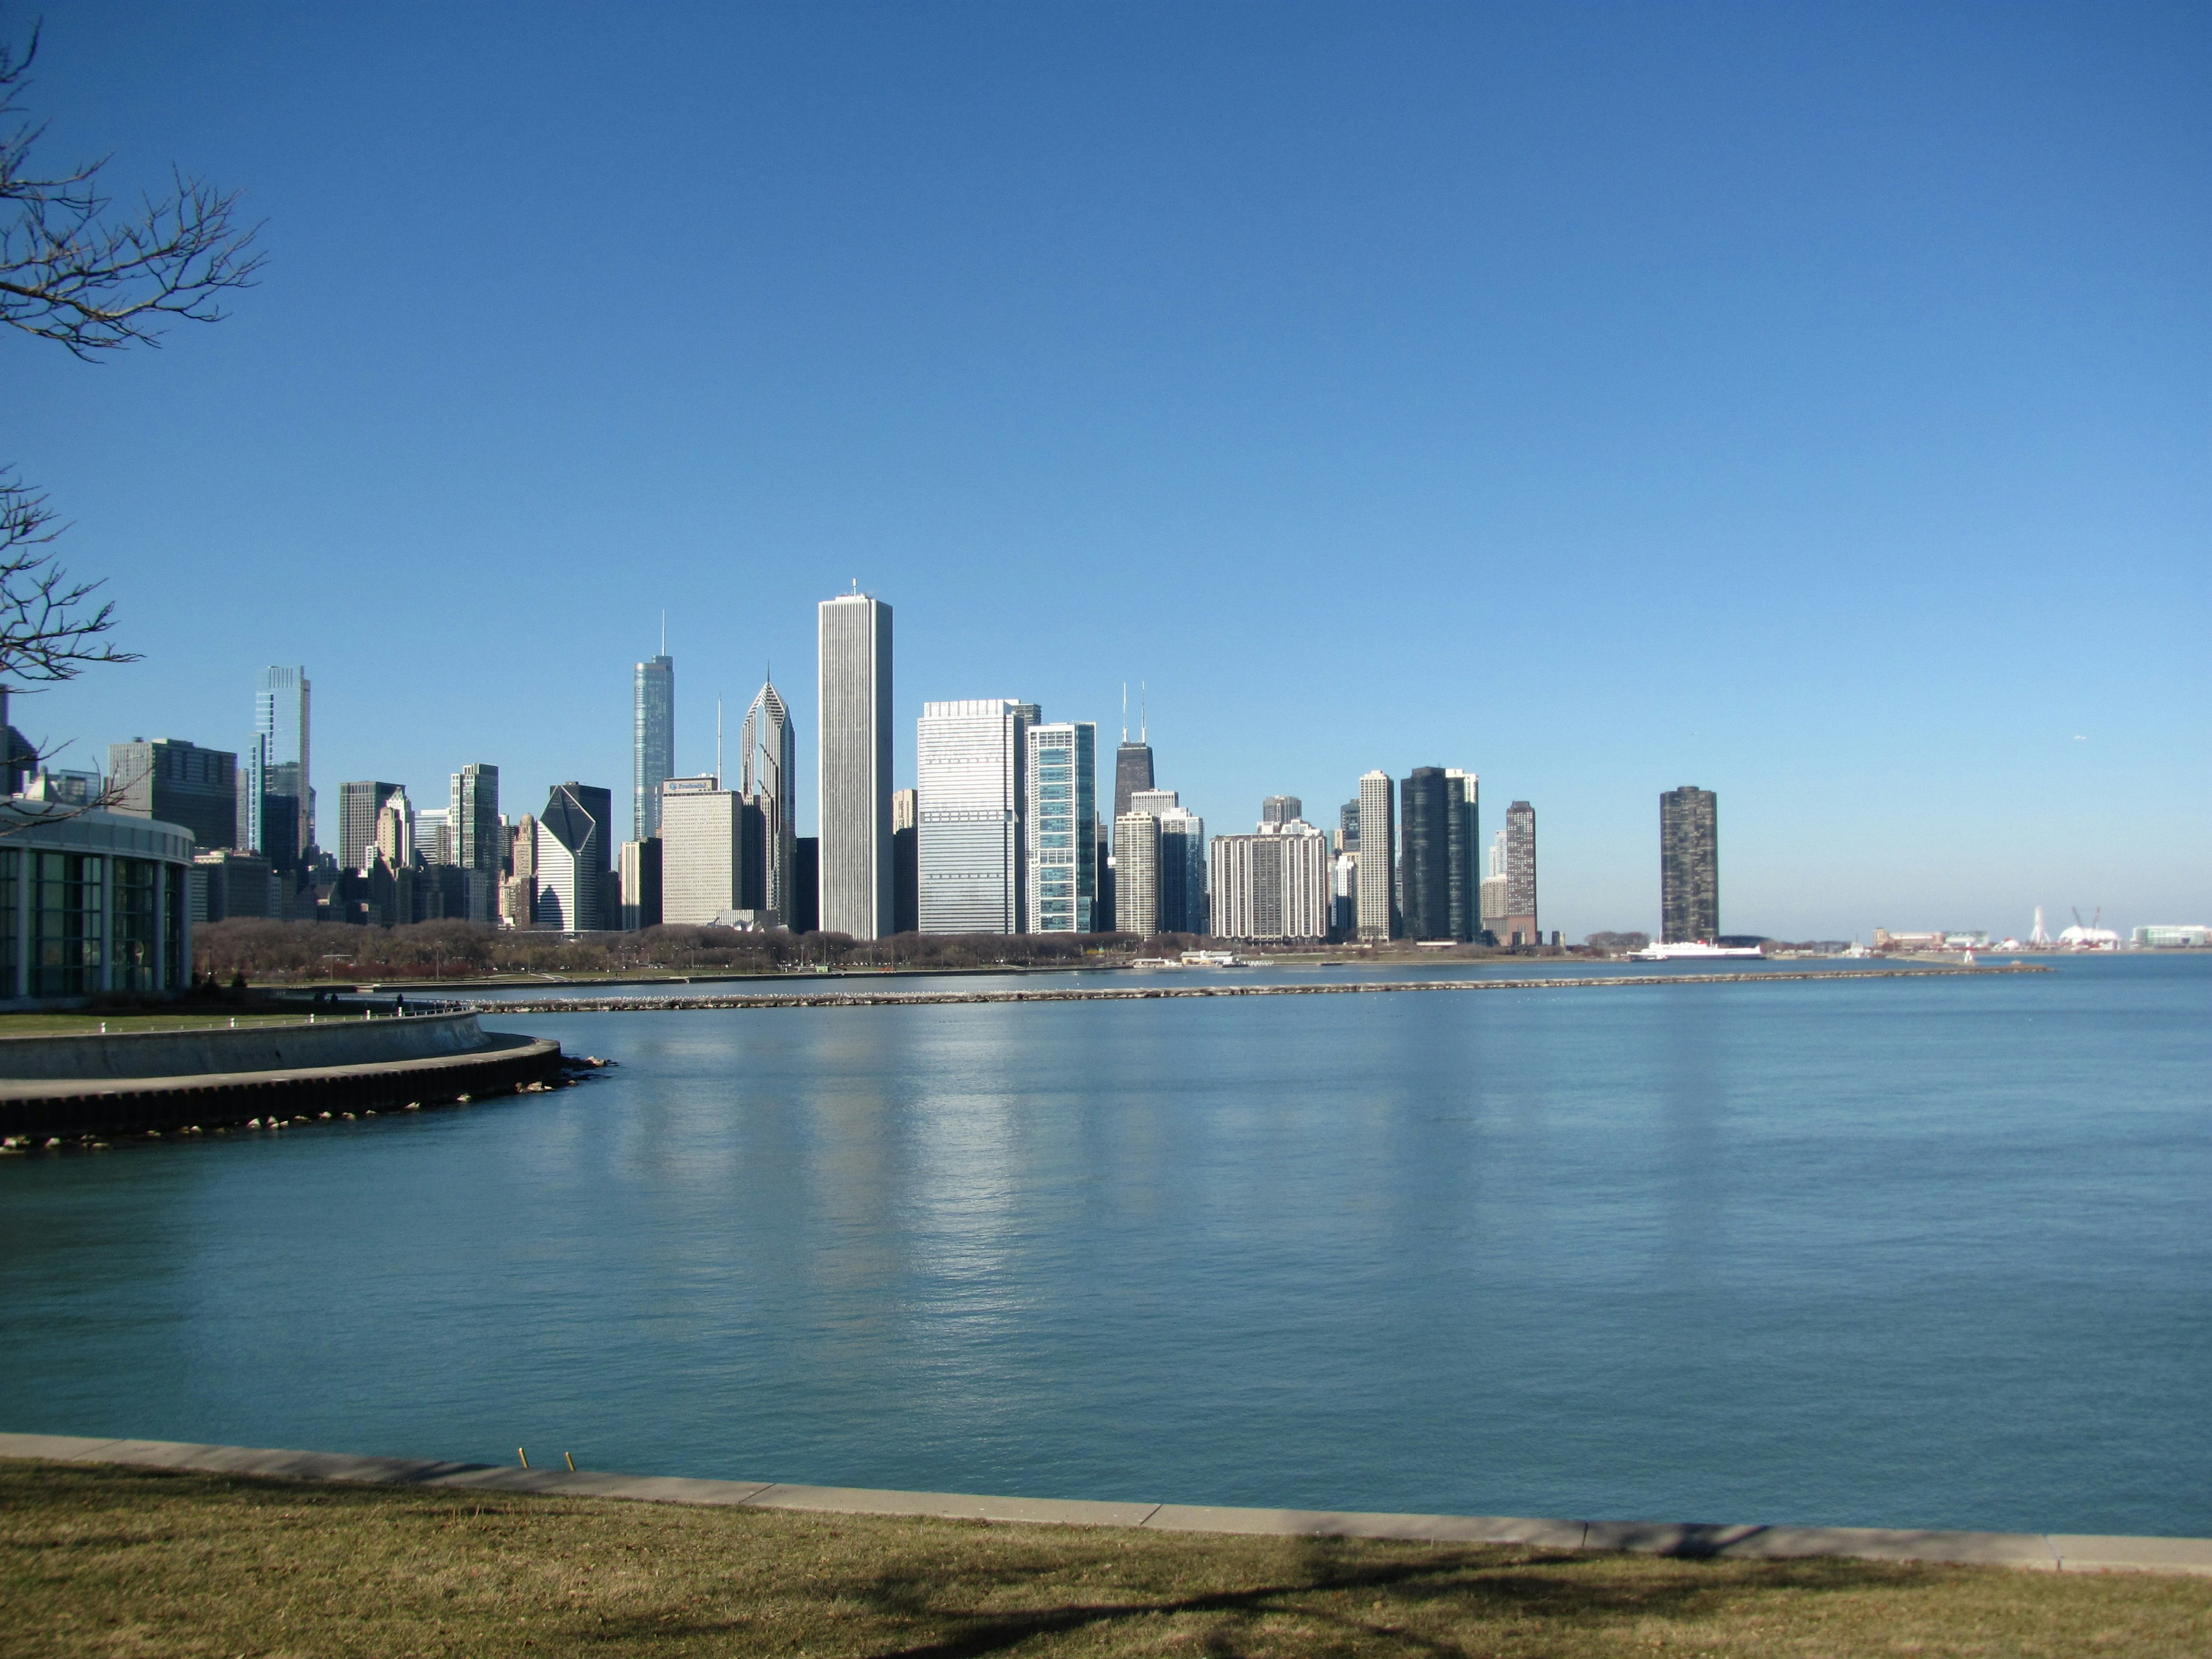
855 757
970 766
1273 884
703 851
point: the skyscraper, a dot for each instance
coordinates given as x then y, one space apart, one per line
1137 873
281 697
704 832
1492 918
769 777
1273 884
1133 762
652 740
1689 865
1520 875
970 775
906 869
1282 809
1463 800
179 783
473 808
573 858
358 804
1347 826
854 798
1183 872
1424 856
1375 919
1061 805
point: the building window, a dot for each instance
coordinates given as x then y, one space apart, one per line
137 924
68 916
11 920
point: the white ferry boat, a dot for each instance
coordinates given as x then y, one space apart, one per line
1692 950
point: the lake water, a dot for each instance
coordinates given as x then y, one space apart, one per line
1900 1253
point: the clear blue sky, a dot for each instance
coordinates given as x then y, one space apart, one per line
1809 402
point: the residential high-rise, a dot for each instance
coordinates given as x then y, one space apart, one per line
282 700
969 775
854 798
705 832
473 808
359 802
1347 827
179 783
1376 920
1061 805
1424 843
1183 872
769 777
1282 809
1137 873
652 740
573 858
1689 865
1520 875
906 855
1273 884
1463 800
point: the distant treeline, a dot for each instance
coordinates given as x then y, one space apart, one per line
265 950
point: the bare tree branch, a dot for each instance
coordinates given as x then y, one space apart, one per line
50 627
70 274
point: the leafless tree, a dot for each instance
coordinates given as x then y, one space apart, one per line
92 281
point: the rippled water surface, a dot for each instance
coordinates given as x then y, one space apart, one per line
1891 1252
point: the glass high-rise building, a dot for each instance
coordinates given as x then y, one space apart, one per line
479 841
653 741
1375 919
574 853
1464 792
1061 803
969 776
855 762
767 773
1425 810
1689 865
282 813
180 783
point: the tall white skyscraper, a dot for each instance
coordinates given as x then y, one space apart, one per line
1061 808
1273 884
854 758
1376 902
767 769
653 741
969 768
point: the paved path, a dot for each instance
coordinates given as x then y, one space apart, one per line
2049 1552
1156 990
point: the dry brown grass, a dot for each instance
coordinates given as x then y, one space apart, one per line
112 1562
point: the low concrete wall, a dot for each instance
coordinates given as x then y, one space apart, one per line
249 1048
2050 1552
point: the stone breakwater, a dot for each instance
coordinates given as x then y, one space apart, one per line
1156 992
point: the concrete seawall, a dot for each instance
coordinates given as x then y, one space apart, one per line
76 1110
343 1041
2048 1551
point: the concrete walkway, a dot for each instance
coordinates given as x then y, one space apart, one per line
2049 1552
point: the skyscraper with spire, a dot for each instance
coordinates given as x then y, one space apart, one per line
768 770
1133 762
653 738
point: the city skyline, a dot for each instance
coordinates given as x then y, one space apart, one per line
1766 364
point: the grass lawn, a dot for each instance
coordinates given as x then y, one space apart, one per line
86 1024
111 1561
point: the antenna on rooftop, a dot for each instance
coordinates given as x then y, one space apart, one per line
1144 722
1125 711
718 741
664 632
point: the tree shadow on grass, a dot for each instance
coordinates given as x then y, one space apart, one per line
1493 1586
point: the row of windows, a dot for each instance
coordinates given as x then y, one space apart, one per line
73 946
